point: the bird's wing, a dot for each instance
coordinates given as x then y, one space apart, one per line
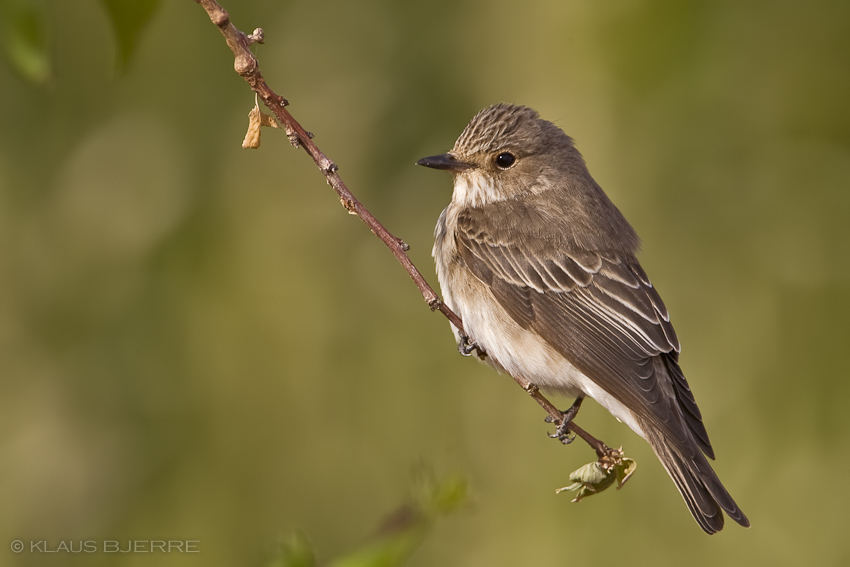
598 309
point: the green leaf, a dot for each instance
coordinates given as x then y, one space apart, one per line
129 19
25 38
398 535
296 551
437 497
390 551
595 477
589 480
408 526
625 469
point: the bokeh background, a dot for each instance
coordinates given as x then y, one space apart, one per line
198 343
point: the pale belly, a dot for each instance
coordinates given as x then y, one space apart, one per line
517 351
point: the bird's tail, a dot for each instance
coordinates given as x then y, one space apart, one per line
698 484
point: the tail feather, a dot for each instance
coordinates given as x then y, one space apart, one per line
699 485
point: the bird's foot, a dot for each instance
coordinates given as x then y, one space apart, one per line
465 346
562 433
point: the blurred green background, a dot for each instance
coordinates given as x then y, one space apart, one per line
198 343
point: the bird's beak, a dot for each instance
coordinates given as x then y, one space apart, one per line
445 161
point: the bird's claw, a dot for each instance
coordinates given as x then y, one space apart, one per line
465 346
562 433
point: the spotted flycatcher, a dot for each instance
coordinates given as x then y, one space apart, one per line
542 269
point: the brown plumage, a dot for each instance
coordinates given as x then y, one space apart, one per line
542 268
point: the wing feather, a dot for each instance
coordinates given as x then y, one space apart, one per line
598 309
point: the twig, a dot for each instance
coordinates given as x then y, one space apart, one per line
557 416
248 67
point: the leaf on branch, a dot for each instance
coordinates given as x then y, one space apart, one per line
295 551
595 477
256 120
129 19
407 527
24 35
398 535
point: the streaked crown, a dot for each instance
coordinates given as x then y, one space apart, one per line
507 125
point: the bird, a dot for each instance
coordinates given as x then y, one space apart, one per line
542 269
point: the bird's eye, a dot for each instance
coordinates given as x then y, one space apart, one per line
505 159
